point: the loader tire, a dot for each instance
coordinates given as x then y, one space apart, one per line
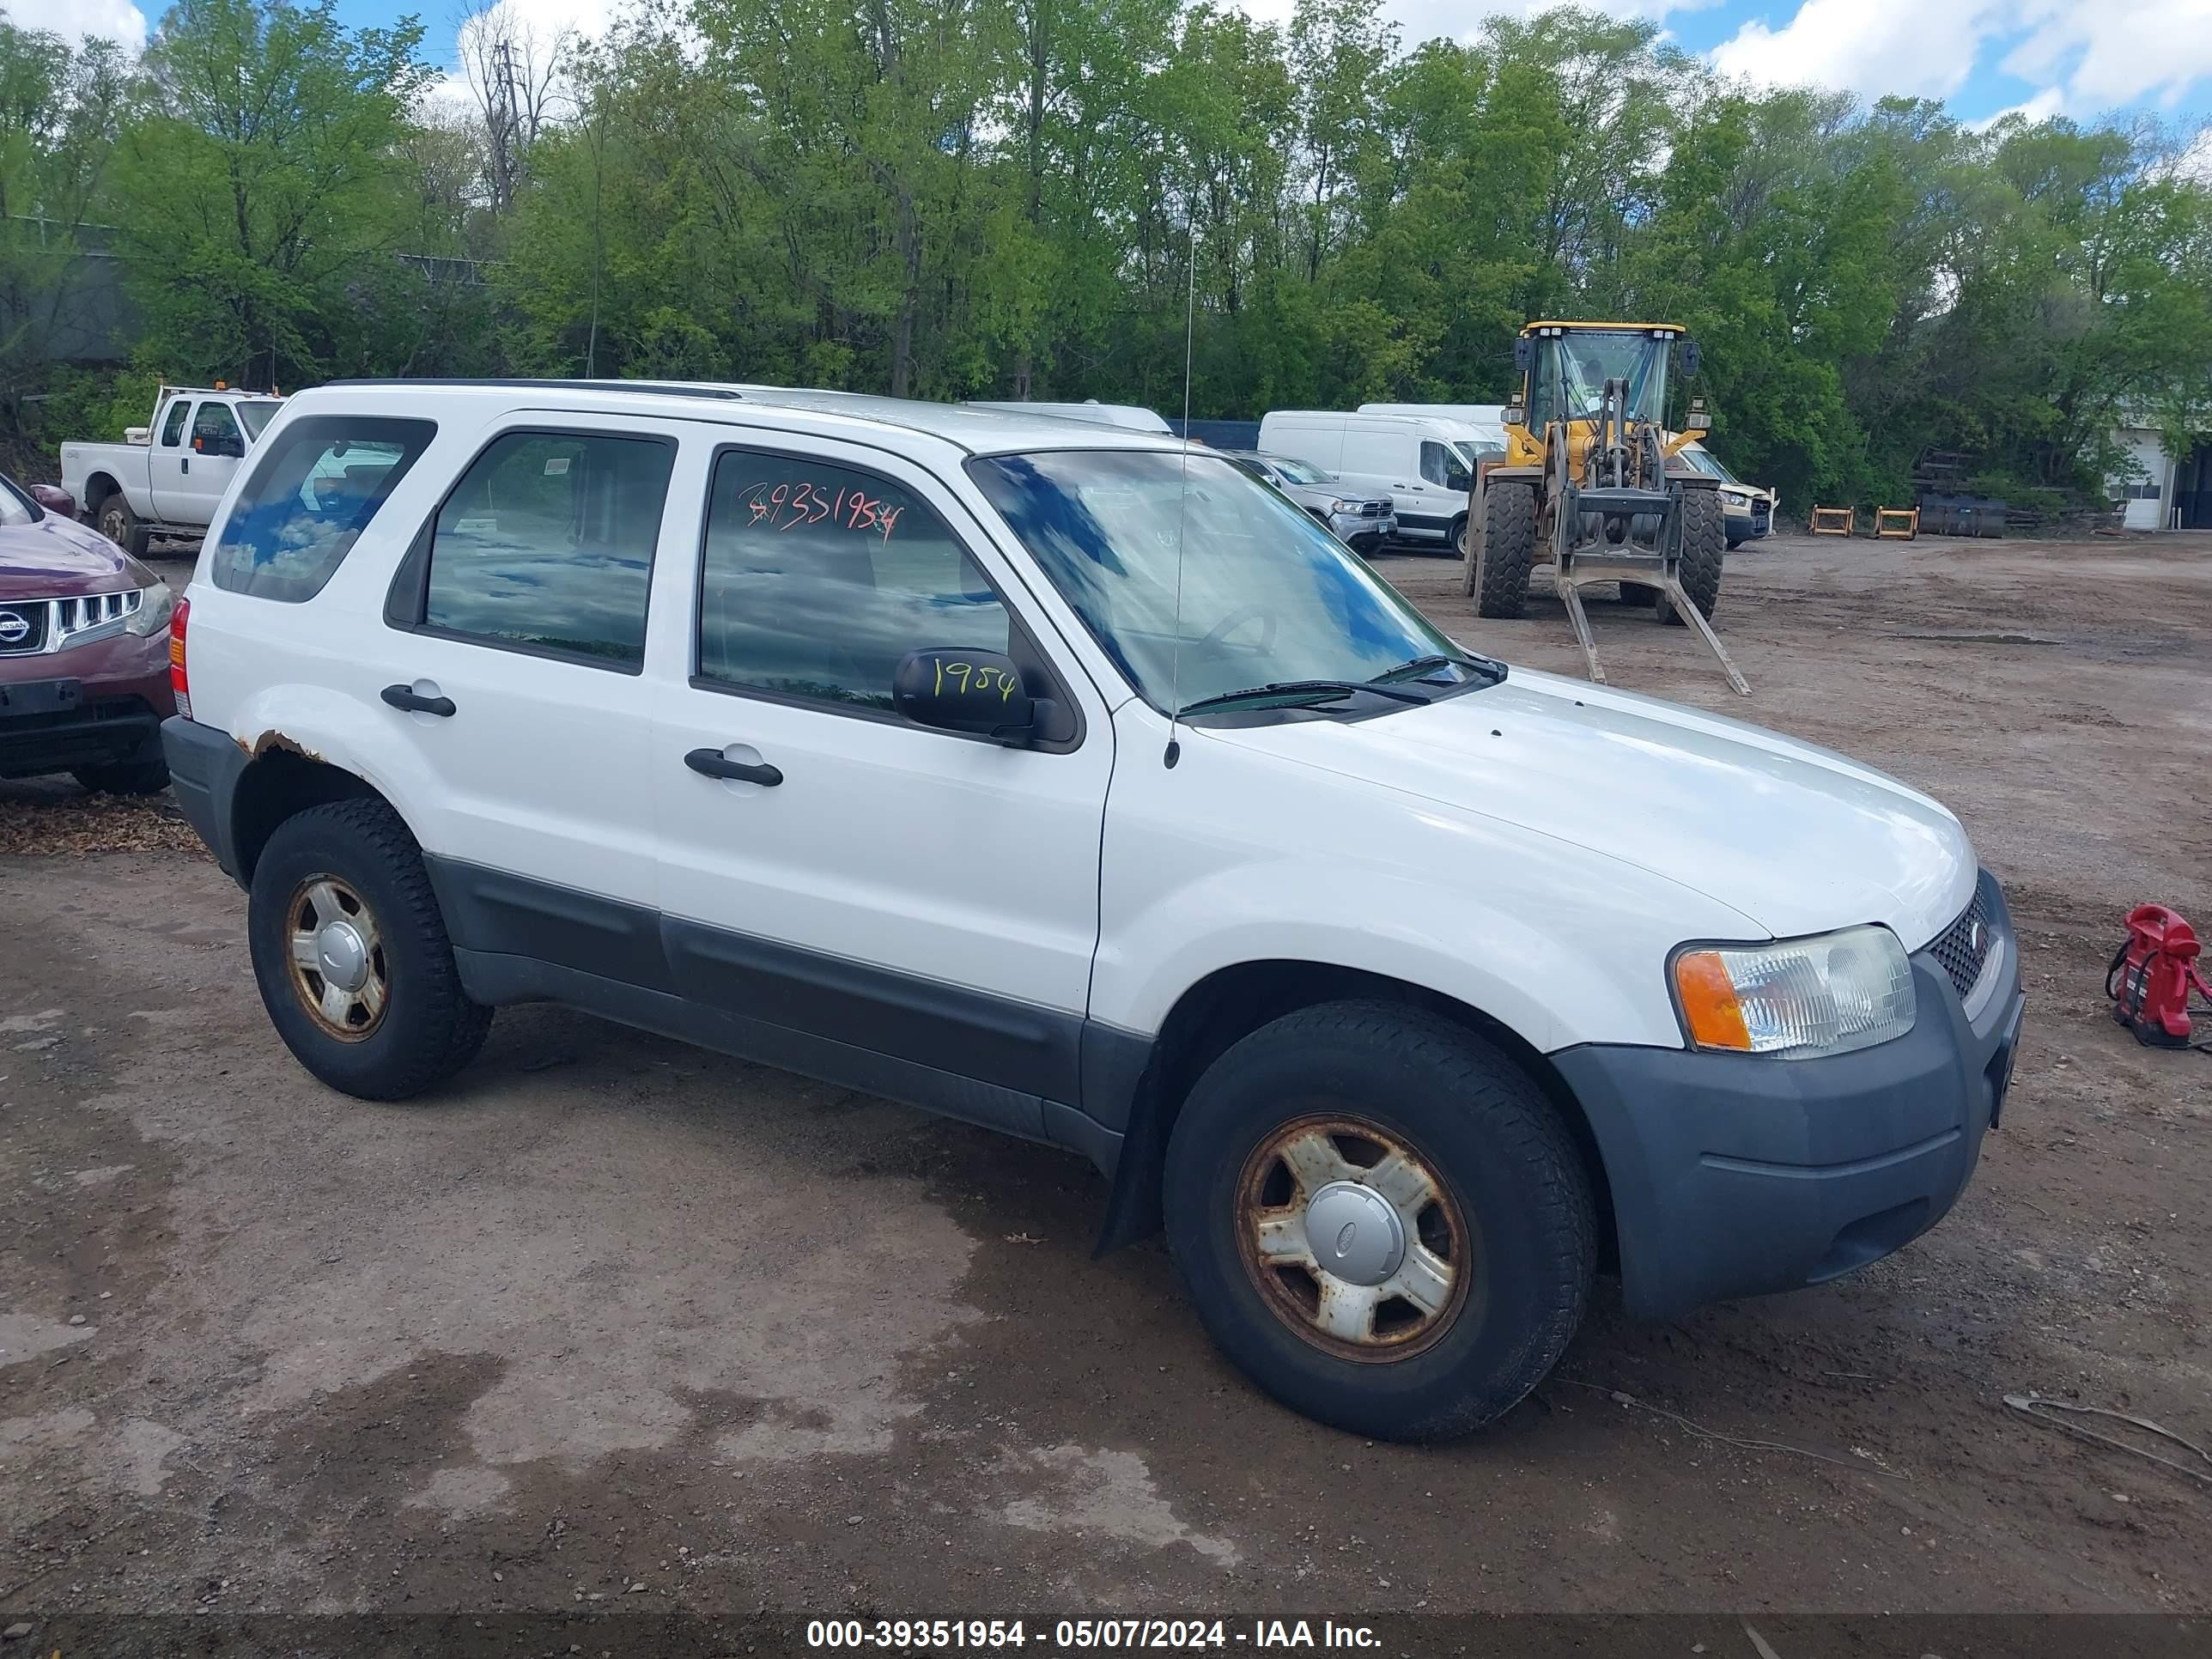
1704 545
1509 548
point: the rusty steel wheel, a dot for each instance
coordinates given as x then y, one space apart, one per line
339 971
1352 1240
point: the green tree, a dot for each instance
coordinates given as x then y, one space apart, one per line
260 198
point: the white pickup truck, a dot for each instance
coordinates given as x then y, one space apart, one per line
165 479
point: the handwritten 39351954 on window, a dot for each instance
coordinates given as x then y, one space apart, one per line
786 505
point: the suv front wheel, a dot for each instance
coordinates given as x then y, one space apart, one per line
1382 1221
351 954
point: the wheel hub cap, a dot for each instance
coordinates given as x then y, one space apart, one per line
1354 1233
342 955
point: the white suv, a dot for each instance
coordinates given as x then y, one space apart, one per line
1067 781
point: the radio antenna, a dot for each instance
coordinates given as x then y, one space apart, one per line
1182 498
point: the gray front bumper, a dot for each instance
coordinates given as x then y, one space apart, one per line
1733 1176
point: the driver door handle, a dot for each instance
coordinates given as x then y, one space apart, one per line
405 696
713 763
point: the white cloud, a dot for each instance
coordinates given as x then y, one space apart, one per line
1459 20
1917 48
2045 104
2081 58
2121 50
93 20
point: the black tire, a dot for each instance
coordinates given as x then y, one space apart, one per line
124 777
1493 1142
1455 541
1508 548
1637 593
428 1028
1705 542
1734 543
114 519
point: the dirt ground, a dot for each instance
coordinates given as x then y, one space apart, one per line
612 1323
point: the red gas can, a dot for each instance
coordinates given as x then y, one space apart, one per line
2152 976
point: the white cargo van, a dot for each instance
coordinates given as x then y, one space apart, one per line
1425 464
1489 419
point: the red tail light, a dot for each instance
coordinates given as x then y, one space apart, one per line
180 685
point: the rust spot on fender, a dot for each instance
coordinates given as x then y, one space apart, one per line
273 741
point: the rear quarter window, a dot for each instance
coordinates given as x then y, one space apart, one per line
314 490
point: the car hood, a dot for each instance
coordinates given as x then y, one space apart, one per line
1320 495
56 559
1795 838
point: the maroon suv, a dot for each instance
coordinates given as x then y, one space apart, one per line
84 649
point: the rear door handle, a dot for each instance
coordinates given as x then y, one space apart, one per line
713 763
405 696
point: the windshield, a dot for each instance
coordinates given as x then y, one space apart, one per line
257 416
16 507
1298 472
1571 370
1710 464
1267 595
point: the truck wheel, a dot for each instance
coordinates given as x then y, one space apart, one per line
1508 548
352 956
1704 539
125 778
116 521
1382 1222
1458 541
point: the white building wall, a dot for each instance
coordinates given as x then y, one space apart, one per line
2148 451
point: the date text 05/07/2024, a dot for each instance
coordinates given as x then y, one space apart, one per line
1072 1635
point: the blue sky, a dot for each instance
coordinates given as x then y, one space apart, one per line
2082 58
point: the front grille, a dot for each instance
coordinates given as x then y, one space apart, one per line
29 627
1373 509
1965 945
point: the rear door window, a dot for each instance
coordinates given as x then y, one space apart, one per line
546 546
312 492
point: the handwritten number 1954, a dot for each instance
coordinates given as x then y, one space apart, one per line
786 505
981 679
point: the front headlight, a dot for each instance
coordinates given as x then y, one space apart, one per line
152 616
1339 506
1796 999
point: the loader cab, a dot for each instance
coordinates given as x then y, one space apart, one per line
1564 368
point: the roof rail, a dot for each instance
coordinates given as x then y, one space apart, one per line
665 388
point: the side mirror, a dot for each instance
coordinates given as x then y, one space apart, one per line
956 689
1524 353
55 500
1691 356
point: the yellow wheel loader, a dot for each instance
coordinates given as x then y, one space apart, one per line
1592 483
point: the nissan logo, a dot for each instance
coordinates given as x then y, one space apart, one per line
1976 940
14 628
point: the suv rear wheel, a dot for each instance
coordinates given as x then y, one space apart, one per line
1382 1221
352 958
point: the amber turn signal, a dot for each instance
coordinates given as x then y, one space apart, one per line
1708 999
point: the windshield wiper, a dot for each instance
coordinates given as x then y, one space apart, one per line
1311 690
1418 667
